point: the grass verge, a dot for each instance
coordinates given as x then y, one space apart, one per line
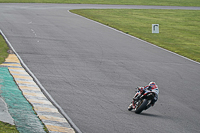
3 49
119 2
179 29
7 128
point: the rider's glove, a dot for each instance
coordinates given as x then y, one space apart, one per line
141 89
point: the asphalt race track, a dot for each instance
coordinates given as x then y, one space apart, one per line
91 70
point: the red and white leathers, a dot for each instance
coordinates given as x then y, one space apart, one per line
150 87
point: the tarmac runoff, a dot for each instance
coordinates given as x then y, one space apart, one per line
45 110
4 114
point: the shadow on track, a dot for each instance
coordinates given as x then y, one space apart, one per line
150 115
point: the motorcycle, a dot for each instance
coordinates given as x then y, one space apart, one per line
143 100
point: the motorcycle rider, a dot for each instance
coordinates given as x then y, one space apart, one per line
150 87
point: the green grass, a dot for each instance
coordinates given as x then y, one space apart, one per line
120 2
179 29
3 49
7 128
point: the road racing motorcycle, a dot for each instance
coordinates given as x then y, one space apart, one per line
143 100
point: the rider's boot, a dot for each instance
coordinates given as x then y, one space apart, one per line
151 104
148 106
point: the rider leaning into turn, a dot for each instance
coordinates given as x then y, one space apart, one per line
150 87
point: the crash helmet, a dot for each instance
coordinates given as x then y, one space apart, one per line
153 85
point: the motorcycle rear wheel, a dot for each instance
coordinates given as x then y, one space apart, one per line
141 107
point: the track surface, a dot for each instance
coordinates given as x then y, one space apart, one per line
91 70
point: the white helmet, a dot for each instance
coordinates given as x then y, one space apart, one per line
152 83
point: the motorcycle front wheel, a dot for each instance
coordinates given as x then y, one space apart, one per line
130 107
141 107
